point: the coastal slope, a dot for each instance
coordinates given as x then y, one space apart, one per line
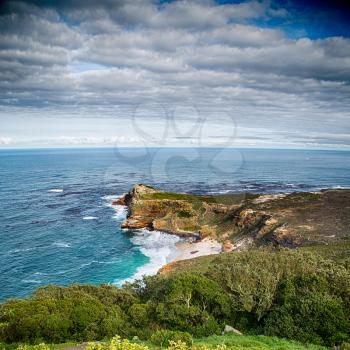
243 220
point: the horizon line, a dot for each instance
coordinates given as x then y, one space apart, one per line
33 148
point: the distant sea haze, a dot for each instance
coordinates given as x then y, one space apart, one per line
57 224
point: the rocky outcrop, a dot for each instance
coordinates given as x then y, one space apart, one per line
241 221
227 246
230 329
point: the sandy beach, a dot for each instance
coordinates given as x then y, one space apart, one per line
189 250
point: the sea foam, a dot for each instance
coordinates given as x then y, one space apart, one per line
61 244
158 246
90 218
56 190
120 210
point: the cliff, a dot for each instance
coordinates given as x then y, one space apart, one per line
241 221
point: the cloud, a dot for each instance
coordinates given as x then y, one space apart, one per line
5 141
82 59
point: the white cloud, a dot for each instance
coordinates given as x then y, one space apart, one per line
95 60
5 141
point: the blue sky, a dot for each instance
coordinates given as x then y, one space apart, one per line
175 73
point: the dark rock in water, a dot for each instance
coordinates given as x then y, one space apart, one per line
119 201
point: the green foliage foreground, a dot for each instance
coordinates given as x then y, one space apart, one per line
289 294
229 342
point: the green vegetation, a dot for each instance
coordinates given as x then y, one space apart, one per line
222 342
228 199
280 220
117 343
164 337
338 251
254 342
291 294
173 196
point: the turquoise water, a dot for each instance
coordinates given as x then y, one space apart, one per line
57 224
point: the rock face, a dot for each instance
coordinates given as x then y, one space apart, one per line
229 329
227 246
241 221
139 214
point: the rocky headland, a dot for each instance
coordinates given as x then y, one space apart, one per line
242 221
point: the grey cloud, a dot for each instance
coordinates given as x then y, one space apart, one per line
244 36
39 28
196 15
301 57
197 54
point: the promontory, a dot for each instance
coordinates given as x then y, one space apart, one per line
242 221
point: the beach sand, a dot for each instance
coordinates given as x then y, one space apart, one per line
189 250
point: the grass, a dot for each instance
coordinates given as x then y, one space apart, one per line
62 346
232 341
228 199
178 196
338 251
257 342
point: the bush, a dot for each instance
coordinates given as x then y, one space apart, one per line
186 301
116 343
163 338
60 314
139 314
33 347
178 345
263 281
308 312
286 293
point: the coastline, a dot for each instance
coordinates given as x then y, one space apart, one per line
190 250
186 248
209 225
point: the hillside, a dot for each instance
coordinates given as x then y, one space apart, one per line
287 293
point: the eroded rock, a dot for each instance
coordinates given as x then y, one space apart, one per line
239 221
229 329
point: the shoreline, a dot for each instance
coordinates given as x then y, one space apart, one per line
190 250
232 222
186 248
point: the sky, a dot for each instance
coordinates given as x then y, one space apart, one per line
175 73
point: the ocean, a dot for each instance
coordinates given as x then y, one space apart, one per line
57 224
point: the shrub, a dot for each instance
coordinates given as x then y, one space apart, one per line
204 329
287 293
163 338
33 347
185 301
308 312
252 279
139 314
177 345
116 343
58 317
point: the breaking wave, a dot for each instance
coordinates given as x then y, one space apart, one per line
158 246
